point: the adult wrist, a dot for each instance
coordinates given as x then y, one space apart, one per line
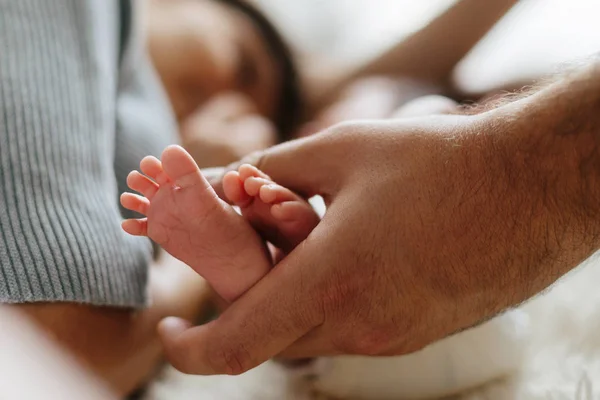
548 146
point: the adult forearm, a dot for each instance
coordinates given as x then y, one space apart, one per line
546 151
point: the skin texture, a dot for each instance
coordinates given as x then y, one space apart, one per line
433 225
188 220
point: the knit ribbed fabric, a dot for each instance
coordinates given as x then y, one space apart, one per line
75 118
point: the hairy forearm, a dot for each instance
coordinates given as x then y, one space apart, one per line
545 149
121 346
556 132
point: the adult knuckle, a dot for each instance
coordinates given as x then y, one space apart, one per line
369 342
229 361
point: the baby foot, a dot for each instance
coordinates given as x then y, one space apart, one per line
187 219
281 216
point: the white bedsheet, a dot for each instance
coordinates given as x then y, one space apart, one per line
562 361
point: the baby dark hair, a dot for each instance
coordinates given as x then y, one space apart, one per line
290 102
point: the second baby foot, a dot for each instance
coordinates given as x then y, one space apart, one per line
280 215
187 219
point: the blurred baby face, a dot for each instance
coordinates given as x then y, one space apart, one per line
203 48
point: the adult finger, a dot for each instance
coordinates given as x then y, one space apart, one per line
275 313
308 166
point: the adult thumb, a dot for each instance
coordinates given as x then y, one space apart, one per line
308 166
302 165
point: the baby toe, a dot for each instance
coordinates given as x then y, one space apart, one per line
247 171
135 227
181 168
152 167
253 185
142 184
135 203
273 193
234 190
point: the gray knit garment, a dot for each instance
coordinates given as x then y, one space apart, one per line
76 115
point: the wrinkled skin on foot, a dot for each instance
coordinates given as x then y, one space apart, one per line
187 219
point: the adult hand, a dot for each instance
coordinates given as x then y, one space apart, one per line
432 225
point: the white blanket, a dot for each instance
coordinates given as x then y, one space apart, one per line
561 361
